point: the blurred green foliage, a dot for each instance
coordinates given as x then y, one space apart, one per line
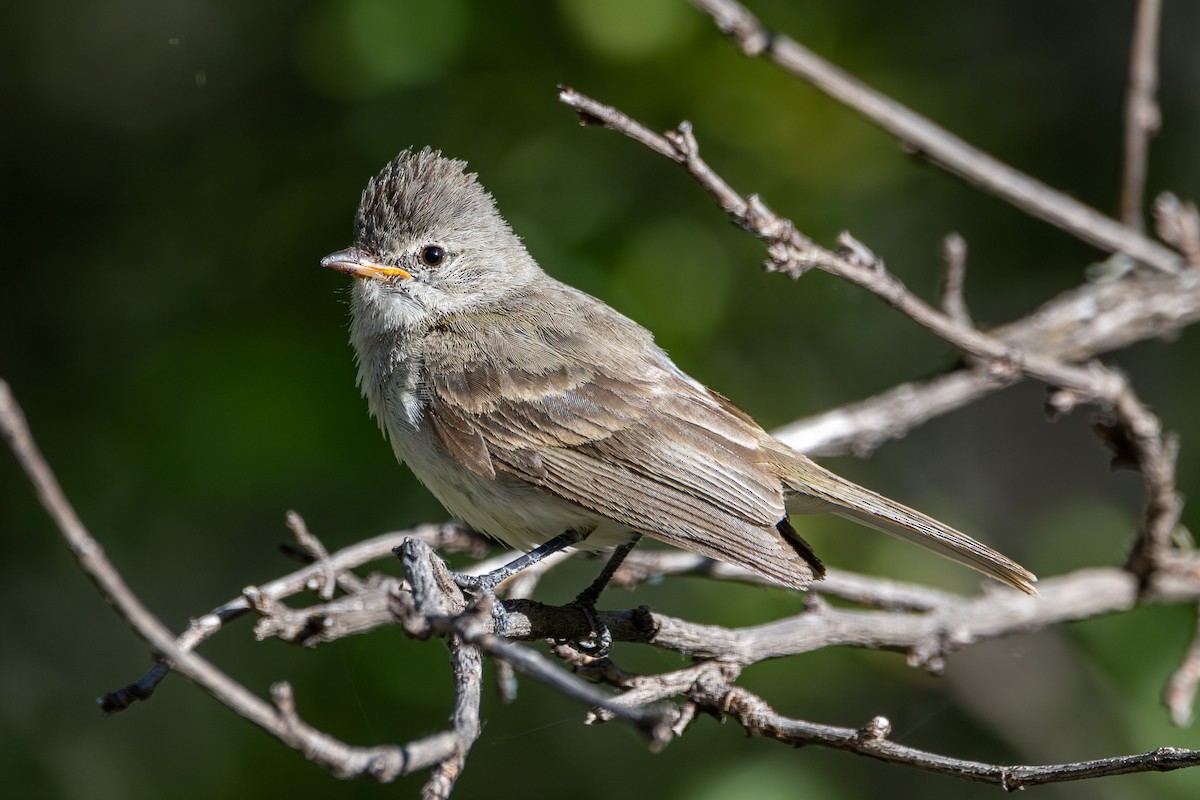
172 172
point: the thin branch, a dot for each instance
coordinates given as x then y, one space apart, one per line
759 719
366 609
646 564
1139 437
935 143
324 583
953 302
926 624
381 763
1077 325
451 537
791 252
466 666
1142 115
1180 694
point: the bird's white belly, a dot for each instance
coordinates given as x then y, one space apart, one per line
517 513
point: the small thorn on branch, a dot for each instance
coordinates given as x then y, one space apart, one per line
683 138
878 729
858 253
284 699
742 27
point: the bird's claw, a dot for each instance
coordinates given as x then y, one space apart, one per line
599 643
483 588
478 585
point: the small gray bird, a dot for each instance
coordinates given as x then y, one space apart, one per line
544 418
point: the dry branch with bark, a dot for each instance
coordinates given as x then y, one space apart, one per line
1059 345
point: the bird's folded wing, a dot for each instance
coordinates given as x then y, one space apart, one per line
655 452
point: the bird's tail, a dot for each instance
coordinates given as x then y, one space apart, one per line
815 488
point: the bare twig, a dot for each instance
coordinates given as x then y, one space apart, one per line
1153 454
646 564
954 253
450 537
791 252
935 143
759 719
381 763
1180 694
1076 325
359 612
466 665
1142 115
926 636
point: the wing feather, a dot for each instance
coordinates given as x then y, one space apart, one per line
463 441
650 442
639 443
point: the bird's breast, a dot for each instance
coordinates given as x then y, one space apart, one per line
390 381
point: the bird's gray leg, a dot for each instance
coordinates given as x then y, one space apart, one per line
600 643
485 585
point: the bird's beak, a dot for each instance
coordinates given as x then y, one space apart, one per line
353 261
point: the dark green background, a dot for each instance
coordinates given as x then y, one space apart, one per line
172 172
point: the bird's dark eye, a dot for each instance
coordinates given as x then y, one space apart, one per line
432 255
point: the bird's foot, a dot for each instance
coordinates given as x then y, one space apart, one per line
598 643
482 588
477 585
